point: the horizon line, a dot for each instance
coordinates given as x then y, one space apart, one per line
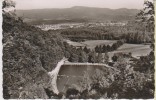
79 6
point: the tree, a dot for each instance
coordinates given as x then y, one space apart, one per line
92 57
133 83
114 58
106 58
79 49
72 93
8 4
83 57
86 49
152 46
104 49
99 58
108 48
73 58
97 49
100 49
146 16
114 46
66 54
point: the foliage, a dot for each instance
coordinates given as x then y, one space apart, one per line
146 16
112 84
108 48
8 3
28 54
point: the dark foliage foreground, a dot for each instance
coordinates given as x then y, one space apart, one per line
28 54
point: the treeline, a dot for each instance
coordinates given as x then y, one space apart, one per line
137 38
42 21
87 33
129 33
84 55
108 48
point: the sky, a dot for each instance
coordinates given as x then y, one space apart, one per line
113 4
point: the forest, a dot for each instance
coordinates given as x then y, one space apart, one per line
130 34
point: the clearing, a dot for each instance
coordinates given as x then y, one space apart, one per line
93 43
136 50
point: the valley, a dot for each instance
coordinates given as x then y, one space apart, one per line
78 52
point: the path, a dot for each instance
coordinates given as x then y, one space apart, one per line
54 73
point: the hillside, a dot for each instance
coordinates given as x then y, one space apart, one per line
28 55
79 12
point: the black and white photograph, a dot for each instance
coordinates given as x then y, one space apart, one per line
78 49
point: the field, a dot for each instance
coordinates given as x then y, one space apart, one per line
75 44
93 43
136 49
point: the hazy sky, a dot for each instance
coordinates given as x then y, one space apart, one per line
114 4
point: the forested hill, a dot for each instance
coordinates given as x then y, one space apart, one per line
28 54
79 12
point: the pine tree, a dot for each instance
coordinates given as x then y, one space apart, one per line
92 57
100 49
83 57
97 49
114 46
86 49
114 58
99 58
108 48
106 58
104 49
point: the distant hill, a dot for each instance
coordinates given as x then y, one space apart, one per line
81 13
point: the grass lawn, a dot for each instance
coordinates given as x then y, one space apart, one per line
75 44
93 43
136 49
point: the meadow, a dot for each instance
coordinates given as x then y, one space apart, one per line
93 43
136 50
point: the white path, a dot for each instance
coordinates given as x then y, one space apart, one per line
53 74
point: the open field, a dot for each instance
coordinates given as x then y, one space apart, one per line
136 49
93 43
75 44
